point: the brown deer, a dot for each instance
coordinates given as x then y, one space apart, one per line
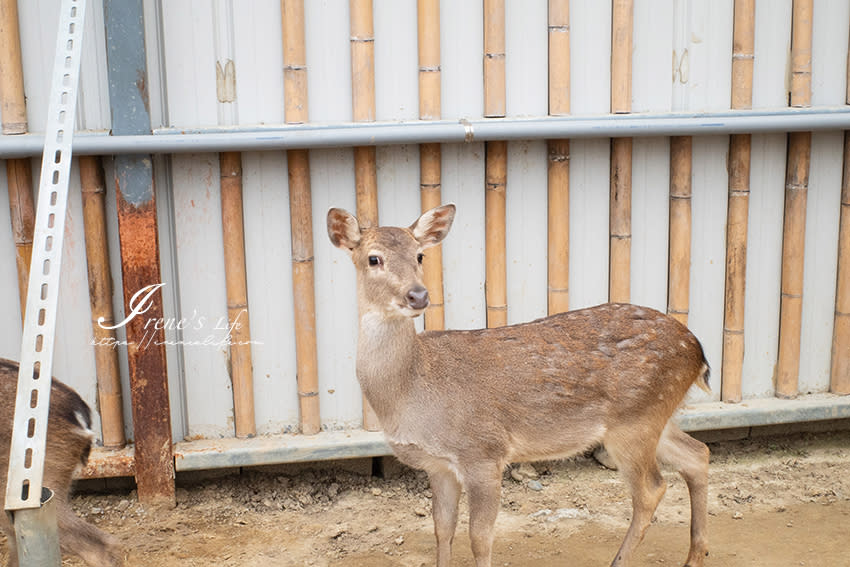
462 405
69 440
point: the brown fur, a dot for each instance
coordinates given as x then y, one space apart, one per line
68 446
463 404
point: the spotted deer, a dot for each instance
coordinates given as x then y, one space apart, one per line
462 405
69 440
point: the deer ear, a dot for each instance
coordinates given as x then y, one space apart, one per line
343 229
433 226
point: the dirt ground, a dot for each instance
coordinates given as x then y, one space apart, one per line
774 501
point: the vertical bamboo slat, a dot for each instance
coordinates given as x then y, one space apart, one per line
301 227
621 154
14 115
840 373
12 102
495 167
796 189
559 159
236 284
109 398
680 228
22 209
430 171
363 110
494 204
738 206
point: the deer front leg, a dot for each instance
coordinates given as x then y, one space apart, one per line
445 488
484 493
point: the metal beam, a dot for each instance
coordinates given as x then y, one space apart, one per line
139 243
307 136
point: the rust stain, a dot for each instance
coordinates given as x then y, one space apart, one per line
104 463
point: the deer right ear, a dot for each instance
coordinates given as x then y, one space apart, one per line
433 226
343 229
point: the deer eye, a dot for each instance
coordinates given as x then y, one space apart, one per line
420 257
375 261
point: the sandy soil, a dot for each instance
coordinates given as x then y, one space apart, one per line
780 501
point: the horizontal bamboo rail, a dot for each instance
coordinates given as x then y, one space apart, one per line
109 396
738 206
679 279
558 206
301 217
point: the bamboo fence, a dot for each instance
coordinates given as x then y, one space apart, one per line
430 171
496 166
363 110
620 222
300 211
678 283
796 189
236 285
559 160
109 397
738 205
18 171
840 374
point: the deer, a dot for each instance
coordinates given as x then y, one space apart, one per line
69 443
464 404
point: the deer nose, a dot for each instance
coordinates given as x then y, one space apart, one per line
417 298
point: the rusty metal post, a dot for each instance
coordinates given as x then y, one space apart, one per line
139 243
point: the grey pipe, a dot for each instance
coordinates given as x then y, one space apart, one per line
172 140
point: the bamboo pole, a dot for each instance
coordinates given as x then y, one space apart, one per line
621 154
12 102
840 374
496 166
496 182
679 279
796 189
301 215
731 389
559 159
430 171
14 115
109 397
363 110
236 283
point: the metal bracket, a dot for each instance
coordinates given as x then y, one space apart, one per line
29 433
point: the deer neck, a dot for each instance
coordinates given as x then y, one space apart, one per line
387 353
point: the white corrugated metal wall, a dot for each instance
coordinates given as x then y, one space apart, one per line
183 42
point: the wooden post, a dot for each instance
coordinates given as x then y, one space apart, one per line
236 283
679 277
109 397
301 219
18 171
496 165
363 110
796 189
430 171
621 154
738 206
559 159
840 375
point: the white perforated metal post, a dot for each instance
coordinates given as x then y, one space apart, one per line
29 433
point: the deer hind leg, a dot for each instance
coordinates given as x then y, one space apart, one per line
636 462
78 537
690 459
484 489
446 489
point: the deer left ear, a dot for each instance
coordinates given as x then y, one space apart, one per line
343 229
433 226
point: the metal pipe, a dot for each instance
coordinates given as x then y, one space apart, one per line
37 533
307 136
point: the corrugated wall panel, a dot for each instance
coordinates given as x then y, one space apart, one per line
396 61
258 58
462 36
